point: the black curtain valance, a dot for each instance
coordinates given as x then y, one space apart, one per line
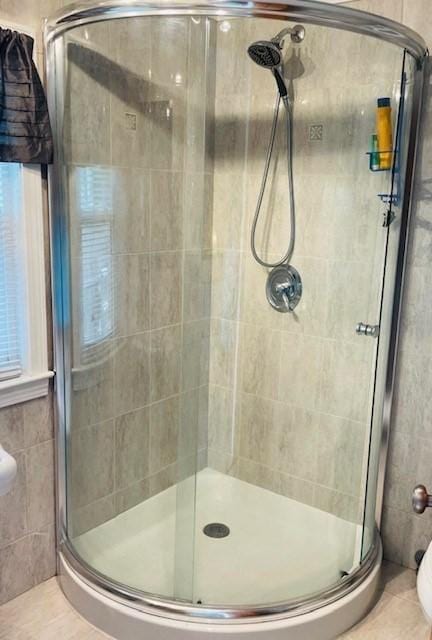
25 131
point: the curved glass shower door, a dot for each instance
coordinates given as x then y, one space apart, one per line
217 451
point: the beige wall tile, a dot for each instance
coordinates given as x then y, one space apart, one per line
257 474
258 440
166 210
230 133
167 143
131 208
295 488
225 284
87 109
193 431
132 447
232 70
164 432
130 496
132 293
15 576
92 515
132 373
38 421
341 445
198 207
260 355
196 285
295 453
339 504
92 458
43 553
130 147
195 358
40 485
13 518
223 338
92 398
12 436
162 480
165 362
131 44
169 64
227 210
347 366
300 370
166 288
220 418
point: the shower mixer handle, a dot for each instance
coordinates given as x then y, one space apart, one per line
284 288
287 291
421 499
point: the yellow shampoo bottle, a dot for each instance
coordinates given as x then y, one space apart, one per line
384 133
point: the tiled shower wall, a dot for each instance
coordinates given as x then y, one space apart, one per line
289 394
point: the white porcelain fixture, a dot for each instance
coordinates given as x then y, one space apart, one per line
424 583
8 471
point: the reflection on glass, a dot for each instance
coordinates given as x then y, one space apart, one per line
95 213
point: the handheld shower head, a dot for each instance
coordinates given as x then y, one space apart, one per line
265 53
268 54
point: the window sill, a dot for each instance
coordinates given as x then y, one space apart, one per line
24 388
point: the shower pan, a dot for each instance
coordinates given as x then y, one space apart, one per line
220 464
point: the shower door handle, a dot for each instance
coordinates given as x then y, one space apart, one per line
371 330
421 499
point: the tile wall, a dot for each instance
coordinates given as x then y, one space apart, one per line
290 394
27 512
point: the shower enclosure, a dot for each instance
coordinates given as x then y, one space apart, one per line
220 461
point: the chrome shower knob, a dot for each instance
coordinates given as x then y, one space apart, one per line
421 499
284 288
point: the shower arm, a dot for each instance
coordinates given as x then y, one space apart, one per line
297 34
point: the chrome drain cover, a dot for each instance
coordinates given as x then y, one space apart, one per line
216 530
284 288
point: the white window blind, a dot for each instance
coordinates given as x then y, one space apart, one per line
97 288
12 305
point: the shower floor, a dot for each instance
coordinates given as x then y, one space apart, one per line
277 548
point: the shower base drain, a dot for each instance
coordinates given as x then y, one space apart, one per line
216 530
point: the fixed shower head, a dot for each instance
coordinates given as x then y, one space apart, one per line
265 53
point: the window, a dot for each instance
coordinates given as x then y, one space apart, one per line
11 291
23 345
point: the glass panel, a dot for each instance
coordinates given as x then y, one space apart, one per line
405 89
291 394
139 205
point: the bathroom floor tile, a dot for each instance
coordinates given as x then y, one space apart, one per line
399 581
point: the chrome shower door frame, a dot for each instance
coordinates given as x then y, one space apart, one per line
305 11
